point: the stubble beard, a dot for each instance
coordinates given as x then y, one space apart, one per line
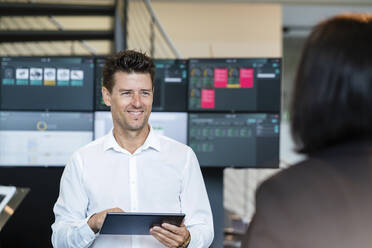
138 126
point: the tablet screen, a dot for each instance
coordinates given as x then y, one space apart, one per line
137 223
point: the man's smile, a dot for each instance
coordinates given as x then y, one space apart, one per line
135 113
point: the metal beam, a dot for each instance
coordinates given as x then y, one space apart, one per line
313 2
125 23
43 35
36 9
120 26
161 29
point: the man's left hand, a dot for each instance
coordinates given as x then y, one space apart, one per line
170 235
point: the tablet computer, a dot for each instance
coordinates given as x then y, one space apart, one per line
137 223
6 194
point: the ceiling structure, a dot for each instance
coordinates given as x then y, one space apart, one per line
316 2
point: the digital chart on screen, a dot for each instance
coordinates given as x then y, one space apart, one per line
240 140
234 84
42 139
46 83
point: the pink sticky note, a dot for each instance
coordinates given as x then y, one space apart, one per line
207 98
246 78
220 78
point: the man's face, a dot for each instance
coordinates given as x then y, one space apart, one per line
130 100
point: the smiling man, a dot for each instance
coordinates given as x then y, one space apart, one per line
131 169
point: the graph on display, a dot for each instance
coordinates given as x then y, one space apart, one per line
42 138
46 83
241 140
170 92
172 125
234 84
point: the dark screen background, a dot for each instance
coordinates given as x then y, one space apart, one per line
170 85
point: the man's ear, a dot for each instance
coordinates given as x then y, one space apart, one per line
106 96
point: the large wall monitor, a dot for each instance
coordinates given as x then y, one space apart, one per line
170 85
42 138
170 124
235 84
238 140
46 83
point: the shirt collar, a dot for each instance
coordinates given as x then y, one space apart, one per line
152 141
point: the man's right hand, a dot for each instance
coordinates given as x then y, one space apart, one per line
95 222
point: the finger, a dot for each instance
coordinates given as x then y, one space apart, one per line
163 239
117 210
175 229
113 210
173 236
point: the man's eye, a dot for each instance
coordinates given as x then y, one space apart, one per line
145 93
125 93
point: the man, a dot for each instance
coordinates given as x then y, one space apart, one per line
131 169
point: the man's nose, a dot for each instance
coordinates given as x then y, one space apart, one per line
136 100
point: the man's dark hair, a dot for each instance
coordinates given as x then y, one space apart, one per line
128 61
332 100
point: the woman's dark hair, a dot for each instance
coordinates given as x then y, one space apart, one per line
332 100
128 61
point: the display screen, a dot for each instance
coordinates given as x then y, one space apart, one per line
237 140
234 85
99 103
42 138
170 93
46 83
170 86
170 124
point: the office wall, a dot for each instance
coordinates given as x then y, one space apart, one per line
198 29
222 29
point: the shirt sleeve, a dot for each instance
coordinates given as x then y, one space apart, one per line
70 228
195 204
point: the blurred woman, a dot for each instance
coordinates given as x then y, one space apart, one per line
326 200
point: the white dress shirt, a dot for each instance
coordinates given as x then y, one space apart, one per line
162 176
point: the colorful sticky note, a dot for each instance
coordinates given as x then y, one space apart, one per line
220 78
246 77
207 99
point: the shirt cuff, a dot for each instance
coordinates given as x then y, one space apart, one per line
194 242
87 234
